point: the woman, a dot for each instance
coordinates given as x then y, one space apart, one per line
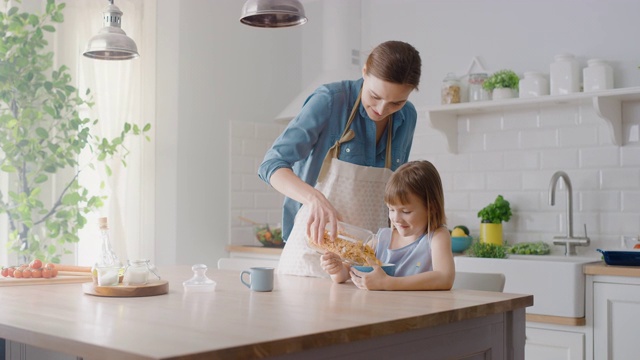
334 158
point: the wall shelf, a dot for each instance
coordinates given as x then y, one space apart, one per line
607 104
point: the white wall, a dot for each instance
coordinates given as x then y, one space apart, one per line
211 71
222 64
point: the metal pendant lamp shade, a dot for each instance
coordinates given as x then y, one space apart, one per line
111 43
273 13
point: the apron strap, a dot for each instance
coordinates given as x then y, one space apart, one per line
347 135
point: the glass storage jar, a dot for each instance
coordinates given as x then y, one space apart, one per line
476 91
533 84
450 89
565 75
598 75
137 272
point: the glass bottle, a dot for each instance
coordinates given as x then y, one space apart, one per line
450 89
476 91
107 269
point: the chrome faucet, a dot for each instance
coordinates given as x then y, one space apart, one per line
569 241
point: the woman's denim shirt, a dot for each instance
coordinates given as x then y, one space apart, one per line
309 136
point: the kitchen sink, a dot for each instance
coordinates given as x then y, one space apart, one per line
557 283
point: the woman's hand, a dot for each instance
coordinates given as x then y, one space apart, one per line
374 280
321 213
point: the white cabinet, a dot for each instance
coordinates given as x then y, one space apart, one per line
560 343
607 104
616 315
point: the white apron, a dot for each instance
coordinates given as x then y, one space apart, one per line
356 192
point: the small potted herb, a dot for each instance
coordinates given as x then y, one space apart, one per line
491 218
502 84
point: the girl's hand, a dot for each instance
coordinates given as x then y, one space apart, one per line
374 280
331 263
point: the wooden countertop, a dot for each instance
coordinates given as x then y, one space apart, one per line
231 322
257 249
601 268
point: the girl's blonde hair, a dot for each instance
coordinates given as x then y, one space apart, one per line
421 179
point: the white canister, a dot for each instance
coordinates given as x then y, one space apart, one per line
565 75
533 84
598 75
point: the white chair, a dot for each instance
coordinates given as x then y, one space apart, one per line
479 281
244 263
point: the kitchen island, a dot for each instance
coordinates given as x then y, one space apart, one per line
302 318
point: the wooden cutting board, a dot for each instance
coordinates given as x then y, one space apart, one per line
63 277
158 287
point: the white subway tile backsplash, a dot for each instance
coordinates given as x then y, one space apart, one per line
456 201
621 179
480 123
471 143
630 201
252 183
578 136
486 161
465 181
451 163
255 147
588 116
241 200
268 200
525 119
599 157
243 165
539 139
503 180
557 116
521 160
236 182
242 129
620 223
268 131
503 140
598 200
559 159
629 155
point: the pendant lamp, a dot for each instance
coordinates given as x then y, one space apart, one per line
111 43
273 13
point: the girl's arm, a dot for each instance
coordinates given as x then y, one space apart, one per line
441 278
333 265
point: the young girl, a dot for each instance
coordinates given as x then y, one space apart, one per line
418 242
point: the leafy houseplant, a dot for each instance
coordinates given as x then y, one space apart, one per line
41 135
496 212
502 79
491 217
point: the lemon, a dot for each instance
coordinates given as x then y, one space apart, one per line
458 232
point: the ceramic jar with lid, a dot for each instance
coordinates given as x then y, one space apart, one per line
476 91
450 89
598 75
533 84
564 75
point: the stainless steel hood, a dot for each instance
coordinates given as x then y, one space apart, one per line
341 36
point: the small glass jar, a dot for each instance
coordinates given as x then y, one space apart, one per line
598 75
565 75
136 273
450 89
476 91
533 84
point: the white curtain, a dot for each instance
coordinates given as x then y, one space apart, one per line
123 91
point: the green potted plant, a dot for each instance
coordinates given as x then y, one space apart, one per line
41 135
491 218
502 84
